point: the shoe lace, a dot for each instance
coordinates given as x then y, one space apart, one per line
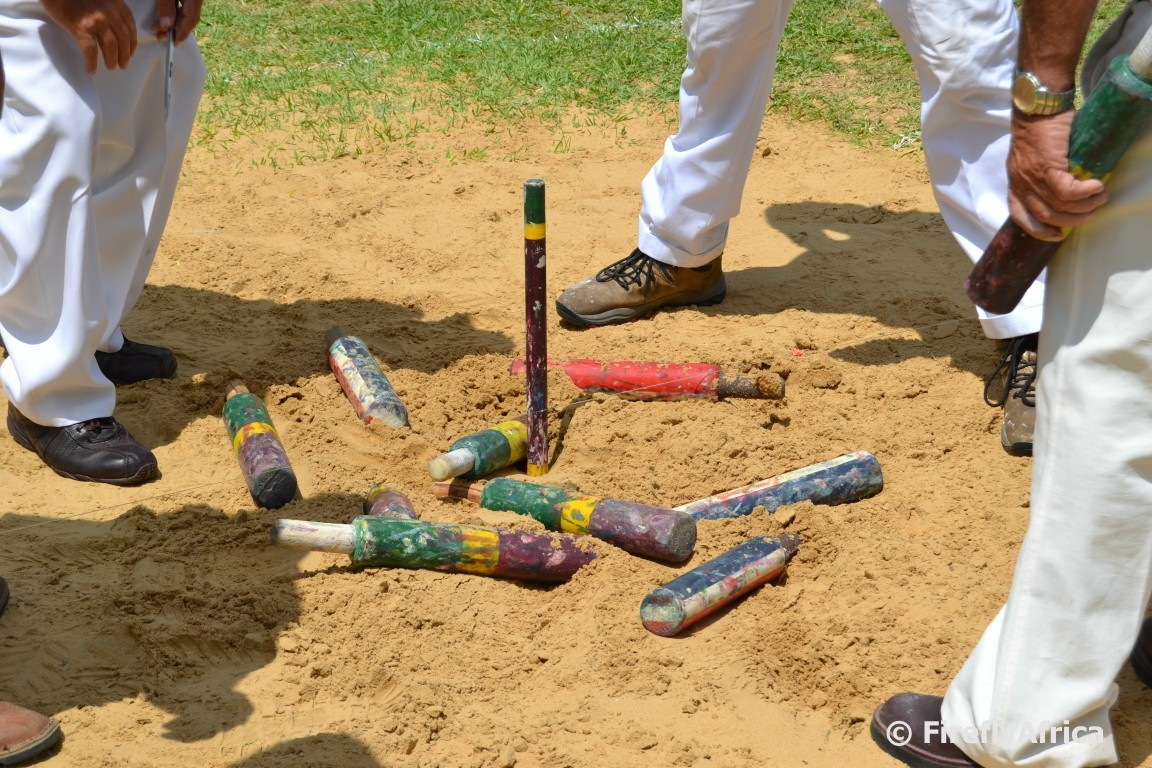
96 426
637 267
1015 374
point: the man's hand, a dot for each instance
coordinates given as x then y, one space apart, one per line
181 15
99 26
1043 196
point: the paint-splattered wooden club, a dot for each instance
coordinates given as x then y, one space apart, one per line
663 381
379 541
655 532
257 446
845 479
710 586
480 454
383 500
536 349
363 380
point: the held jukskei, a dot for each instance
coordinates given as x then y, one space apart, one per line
710 586
363 380
663 381
395 543
480 454
661 534
1114 115
257 446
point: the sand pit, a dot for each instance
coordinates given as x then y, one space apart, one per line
157 624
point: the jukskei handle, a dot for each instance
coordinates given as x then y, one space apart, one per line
258 449
710 586
846 478
487 451
663 381
383 542
382 500
363 380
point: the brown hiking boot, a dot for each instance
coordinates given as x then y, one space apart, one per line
1015 376
637 285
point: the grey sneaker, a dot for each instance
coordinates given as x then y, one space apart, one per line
637 285
1013 386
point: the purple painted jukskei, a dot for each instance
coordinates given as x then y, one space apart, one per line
655 532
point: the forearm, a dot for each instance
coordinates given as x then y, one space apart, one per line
1052 35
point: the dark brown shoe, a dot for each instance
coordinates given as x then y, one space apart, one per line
637 285
98 450
24 734
1142 654
907 727
135 362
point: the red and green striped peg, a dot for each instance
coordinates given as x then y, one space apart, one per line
474 456
363 380
663 381
710 586
535 302
661 534
384 542
262 457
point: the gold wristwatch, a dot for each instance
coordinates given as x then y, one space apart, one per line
1030 97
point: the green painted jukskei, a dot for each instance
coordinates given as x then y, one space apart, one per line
662 534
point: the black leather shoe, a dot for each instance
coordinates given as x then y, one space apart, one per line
1142 654
3 595
898 728
98 450
137 362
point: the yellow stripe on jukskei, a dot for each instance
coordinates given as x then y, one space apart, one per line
534 231
516 432
252 428
479 550
576 515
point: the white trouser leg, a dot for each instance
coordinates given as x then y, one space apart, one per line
1084 572
88 170
965 57
694 189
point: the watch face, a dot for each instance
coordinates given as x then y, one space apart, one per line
1024 93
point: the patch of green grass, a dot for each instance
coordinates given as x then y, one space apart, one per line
372 64
842 63
347 76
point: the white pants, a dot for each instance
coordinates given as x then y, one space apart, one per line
964 52
88 170
1084 573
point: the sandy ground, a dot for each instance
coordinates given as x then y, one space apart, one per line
161 628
